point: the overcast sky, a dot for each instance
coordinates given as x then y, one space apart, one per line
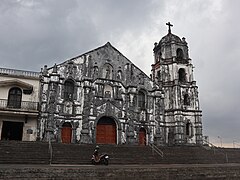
38 32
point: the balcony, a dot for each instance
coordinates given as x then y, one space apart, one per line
19 106
14 72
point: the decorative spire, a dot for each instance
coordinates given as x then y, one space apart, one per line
55 68
169 27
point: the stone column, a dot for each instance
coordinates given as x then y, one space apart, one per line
74 135
159 137
130 133
40 109
179 130
52 103
198 131
85 138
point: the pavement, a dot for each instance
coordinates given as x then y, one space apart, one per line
19 166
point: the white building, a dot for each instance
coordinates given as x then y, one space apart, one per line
19 96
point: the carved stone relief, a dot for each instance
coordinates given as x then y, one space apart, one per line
68 107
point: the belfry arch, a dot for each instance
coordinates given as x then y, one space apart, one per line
182 75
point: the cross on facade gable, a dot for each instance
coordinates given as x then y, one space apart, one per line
169 27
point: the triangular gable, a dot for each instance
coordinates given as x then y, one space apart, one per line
107 45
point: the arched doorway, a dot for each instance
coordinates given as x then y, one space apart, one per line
66 132
106 131
142 137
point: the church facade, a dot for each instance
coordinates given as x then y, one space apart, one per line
99 97
102 97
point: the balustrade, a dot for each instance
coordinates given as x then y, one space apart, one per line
24 105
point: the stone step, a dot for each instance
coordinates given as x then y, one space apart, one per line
38 153
121 172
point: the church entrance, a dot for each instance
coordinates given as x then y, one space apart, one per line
12 130
66 132
142 137
106 131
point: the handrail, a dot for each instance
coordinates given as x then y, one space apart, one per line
156 149
50 149
217 148
208 143
235 143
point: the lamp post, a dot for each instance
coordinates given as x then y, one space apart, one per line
220 140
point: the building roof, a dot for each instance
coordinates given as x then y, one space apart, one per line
19 73
169 38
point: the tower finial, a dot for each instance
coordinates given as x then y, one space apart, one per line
169 27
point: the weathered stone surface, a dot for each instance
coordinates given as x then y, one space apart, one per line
104 83
173 71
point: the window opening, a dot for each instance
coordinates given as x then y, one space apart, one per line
179 54
15 97
68 90
186 100
141 100
188 126
182 75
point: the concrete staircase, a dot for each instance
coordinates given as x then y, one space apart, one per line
119 172
179 162
121 154
192 155
17 152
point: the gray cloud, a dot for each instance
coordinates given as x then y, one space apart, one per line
34 33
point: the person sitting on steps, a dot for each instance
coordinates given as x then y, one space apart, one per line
96 154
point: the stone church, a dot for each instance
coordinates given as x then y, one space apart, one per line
102 97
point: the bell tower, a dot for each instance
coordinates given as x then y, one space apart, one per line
173 71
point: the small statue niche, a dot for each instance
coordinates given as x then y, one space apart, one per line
119 75
68 107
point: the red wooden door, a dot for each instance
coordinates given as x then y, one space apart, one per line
142 137
66 134
106 134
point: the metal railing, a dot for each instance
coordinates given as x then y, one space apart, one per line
50 149
24 105
155 149
236 144
217 149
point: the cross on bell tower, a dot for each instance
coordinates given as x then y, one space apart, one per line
169 27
